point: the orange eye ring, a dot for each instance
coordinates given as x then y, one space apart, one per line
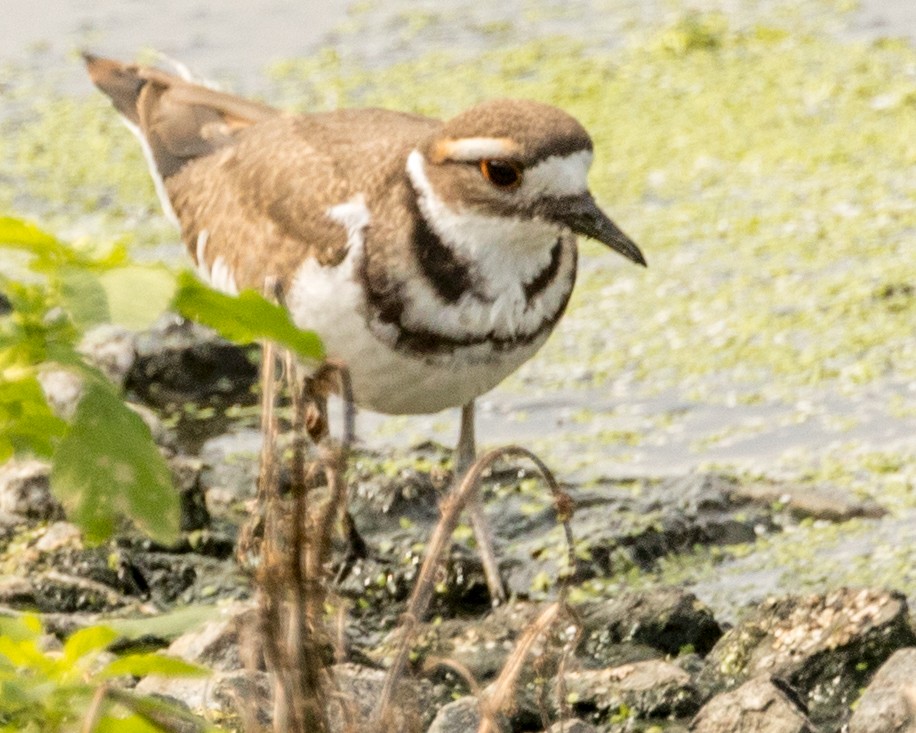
503 174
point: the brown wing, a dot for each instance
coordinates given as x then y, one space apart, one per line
251 186
264 202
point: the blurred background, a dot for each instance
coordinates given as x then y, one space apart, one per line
763 155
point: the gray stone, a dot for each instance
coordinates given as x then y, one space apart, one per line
186 473
62 592
757 706
17 592
217 643
197 693
668 619
229 468
573 725
650 689
58 536
819 502
620 528
825 646
460 716
63 390
110 348
245 694
480 645
889 702
25 490
359 690
179 361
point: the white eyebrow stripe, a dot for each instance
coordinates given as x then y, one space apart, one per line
472 149
558 175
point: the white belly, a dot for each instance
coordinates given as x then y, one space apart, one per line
387 381
329 301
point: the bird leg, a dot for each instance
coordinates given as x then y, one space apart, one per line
465 455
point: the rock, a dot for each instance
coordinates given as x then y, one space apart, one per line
819 502
237 688
668 619
380 502
824 645
620 528
650 689
459 716
179 361
480 645
58 536
359 690
60 592
186 473
229 468
63 390
197 693
17 592
761 705
573 725
25 490
395 508
111 349
887 706
247 694
217 644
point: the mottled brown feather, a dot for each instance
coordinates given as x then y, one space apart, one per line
261 182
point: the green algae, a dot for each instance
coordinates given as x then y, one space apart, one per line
764 165
71 162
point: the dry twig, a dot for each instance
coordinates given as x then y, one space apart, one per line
441 538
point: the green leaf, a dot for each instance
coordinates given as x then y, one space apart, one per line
244 318
27 424
132 723
20 234
169 625
25 654
83 296
140 665
147 714
108 465
86 641
47 252
137 295
21 628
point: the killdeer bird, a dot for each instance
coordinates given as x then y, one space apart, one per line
432 258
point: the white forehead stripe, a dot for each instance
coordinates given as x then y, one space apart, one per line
472 149
558 175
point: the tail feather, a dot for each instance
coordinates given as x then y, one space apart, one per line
121 83
177 120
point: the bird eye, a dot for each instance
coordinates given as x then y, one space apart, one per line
502 173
